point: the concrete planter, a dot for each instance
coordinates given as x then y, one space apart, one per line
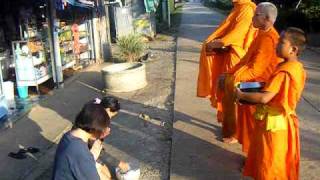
124 77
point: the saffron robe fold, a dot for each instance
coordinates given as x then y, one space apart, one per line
276 155
236 32
257 65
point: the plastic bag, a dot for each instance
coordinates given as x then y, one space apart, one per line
132 174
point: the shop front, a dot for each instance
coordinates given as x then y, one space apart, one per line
28 54
75 36
25 35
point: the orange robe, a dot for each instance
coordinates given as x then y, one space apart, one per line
276 155
236 32
257 65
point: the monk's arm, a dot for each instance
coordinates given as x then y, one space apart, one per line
237 34
220 31
261 60
255 97
239 65
273 87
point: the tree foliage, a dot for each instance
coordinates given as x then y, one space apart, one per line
311 8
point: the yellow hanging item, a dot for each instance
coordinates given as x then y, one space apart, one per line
275 120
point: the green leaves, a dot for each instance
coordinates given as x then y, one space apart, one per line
131 47
312 12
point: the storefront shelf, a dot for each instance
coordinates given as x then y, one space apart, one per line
69 65
39 63
35 82
81 37
88 50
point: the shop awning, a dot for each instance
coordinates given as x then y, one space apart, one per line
79 3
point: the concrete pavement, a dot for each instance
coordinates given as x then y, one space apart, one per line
197 152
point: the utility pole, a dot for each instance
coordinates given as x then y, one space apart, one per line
169 13
55 47
297 6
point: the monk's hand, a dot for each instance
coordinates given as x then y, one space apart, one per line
238 94
217 43
209 47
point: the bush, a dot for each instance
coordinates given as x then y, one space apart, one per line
306 17
291 17
131 47
224 4
220 4
311 9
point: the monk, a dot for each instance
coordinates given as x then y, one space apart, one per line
257 65
225 47
275 150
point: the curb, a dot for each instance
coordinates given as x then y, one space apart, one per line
314 49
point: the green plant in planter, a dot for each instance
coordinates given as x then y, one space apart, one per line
131 47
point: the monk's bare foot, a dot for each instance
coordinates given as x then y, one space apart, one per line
204 96
230 140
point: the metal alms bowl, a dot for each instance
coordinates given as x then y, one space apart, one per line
251 86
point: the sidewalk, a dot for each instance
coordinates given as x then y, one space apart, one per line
197 152
132 139
41 128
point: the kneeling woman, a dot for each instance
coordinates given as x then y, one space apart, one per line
73 159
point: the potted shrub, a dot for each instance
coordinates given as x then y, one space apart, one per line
128 76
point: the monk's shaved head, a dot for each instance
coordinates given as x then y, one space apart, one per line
269 10
297 37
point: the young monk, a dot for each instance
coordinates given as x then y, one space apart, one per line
233 37
275 150
257 65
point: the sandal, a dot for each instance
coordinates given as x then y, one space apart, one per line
19 155
33 150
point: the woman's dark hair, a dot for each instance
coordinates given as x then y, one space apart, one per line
110 102
92 118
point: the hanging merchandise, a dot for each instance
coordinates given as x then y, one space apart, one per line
151 5
60 4
76 38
